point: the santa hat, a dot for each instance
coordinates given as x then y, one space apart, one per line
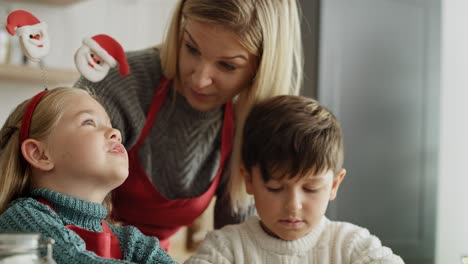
21 22
109 50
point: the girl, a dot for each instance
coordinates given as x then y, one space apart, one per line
60 158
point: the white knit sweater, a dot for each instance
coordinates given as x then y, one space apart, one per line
330 242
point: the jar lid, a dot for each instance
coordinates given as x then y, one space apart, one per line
19 242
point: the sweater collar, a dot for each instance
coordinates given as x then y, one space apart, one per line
72 210
279 246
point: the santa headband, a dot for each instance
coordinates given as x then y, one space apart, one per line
27 116
100 51
21 22
109 50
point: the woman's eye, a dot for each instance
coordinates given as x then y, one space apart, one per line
227 66
192 50
88 122
92 55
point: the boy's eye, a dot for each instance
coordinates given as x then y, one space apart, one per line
88 122
227 66
309 190
192 50
276 189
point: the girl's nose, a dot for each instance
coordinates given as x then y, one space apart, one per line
202 76
115 134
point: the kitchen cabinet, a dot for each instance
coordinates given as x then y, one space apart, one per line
33 74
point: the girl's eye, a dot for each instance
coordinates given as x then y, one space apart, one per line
227 66
192 50
92 55
88 122
98 62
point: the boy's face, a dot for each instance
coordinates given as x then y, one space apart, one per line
291 208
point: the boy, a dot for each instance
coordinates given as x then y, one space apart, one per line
292 155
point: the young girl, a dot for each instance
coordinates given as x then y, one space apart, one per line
292 157
60 158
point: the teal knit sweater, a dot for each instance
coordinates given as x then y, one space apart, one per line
29 215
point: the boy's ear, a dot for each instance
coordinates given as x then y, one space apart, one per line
34 152
247 179
336 184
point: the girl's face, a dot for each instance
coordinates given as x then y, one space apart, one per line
213 66
86 151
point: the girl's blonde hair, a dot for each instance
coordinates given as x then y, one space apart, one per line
15 176
269 29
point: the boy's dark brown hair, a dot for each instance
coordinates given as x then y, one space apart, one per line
287 136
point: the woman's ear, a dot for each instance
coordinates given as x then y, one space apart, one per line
34 152
247 179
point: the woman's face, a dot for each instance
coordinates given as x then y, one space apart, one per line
213 66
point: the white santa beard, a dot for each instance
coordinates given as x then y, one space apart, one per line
96 74
31 47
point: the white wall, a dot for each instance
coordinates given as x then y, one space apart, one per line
452 221
135 24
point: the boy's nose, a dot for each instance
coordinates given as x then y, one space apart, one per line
294 203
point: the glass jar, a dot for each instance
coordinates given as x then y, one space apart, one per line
25 248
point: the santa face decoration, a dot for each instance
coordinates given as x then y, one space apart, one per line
35 44
33 35
97 55
90 64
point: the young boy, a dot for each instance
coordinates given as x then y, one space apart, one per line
292 155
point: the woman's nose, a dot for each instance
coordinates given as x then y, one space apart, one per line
202 76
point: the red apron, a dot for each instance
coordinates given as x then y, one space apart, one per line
105 244
137 202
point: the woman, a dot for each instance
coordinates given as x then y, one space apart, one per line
176 112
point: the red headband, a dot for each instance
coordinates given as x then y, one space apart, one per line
27 116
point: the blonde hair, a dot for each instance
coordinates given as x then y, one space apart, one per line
15 178
269 29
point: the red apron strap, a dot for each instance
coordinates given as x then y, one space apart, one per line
156 104
105 244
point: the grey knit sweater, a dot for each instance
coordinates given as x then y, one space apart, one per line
182 151
29 215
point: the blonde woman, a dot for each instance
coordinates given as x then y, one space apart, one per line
184 103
